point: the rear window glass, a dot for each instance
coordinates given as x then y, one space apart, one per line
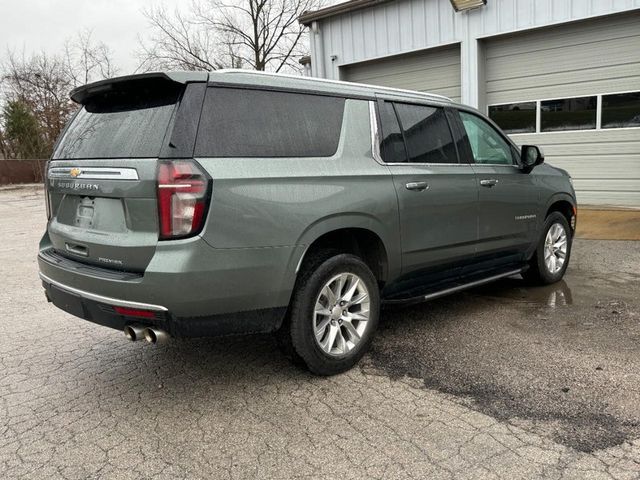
120 124
259 123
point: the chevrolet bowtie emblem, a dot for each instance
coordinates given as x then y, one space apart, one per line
75 172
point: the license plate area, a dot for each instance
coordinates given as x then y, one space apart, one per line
99 214
66 301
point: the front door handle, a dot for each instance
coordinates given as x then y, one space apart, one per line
417 186
489 182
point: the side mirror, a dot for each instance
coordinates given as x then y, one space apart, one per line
530 156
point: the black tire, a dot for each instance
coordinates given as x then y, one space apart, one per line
316 272
538 273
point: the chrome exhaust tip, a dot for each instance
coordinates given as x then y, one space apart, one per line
155 336
134 332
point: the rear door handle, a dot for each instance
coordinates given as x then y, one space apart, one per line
417 186
489 182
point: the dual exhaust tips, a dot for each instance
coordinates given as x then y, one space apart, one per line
151 335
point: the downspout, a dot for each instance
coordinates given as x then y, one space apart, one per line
319 50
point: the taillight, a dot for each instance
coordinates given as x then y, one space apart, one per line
183 190
47 196
47 201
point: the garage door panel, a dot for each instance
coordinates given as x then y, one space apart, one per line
435 70
402 75
587 58
621 149
559 91
612 197
592 184
585 136
438 78
515 90
566 59
603 29
437 58
605 167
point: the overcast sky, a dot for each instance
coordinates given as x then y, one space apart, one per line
45 24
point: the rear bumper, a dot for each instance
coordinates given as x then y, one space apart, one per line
99 309
192 288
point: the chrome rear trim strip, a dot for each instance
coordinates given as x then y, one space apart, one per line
101 299
93 173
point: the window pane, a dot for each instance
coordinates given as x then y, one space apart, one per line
392 144
120 124
487 144
427 134
259 123
515 117
621 110
568 114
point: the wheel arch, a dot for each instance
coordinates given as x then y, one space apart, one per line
357 233
564 204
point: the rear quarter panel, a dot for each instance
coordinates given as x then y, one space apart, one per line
276 202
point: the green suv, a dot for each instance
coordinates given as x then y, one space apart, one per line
198 204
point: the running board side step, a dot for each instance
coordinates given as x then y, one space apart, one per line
454 289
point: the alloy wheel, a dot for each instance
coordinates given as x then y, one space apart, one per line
555 248
341 314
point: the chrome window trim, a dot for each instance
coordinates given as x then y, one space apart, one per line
495 165
375 133
101 299
94 173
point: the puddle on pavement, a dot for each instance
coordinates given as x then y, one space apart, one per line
578 288
556 295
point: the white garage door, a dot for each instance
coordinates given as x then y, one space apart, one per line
575 89
435 70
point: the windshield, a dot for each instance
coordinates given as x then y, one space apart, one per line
119 124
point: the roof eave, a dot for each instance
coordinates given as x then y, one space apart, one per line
309 17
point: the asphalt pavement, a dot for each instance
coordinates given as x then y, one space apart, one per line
504 381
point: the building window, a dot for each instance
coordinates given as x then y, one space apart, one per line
568 114
515 117
621 110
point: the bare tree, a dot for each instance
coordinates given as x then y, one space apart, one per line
42 82
177 43
213 34
87 60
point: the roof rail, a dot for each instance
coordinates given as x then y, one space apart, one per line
335 82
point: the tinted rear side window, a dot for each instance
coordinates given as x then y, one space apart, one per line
259 123
126 123
391 144
427 134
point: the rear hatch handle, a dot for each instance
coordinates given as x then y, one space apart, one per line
77 249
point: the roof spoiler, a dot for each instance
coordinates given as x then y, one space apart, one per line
83 93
